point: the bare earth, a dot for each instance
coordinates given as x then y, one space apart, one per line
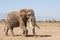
47 31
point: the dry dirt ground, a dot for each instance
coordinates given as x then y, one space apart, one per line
47 31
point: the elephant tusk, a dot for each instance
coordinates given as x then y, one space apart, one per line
35 25
31 24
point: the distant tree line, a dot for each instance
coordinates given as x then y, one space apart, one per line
54 21
2 20
51 21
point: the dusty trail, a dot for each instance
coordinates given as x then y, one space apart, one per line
46 32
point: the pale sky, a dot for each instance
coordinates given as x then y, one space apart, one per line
44 9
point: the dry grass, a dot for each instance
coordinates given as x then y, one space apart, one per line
57 24
47 31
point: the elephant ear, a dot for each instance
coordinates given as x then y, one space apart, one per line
22 12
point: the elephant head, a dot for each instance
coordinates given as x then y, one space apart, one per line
31 18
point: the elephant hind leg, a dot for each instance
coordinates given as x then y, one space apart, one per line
11 29
6 31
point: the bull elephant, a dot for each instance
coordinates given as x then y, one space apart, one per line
31 19
20 18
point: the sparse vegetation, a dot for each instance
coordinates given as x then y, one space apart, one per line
46 28
49 21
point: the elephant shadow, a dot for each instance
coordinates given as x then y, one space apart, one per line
36 35
39 35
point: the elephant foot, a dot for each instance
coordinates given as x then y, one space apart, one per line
35 35
12 35
6 35
23 35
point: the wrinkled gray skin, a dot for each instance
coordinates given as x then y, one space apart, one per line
20 18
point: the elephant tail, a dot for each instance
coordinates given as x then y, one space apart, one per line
4 27
37 26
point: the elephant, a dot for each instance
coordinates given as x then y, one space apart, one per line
20 18
15 19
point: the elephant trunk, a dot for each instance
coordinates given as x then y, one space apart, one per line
33 23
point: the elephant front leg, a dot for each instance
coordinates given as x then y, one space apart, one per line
25 31
23 25
34 31
7 31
